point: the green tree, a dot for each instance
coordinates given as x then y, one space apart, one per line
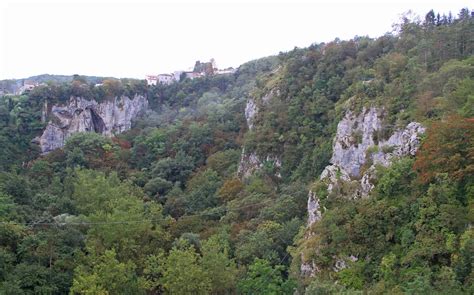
263 242
94 191
89 150
120 218
201 191
112 87
352 276
157 187
148 146
106 275
325 287
262 278
7 207
224 163
220 268
174 169
182 272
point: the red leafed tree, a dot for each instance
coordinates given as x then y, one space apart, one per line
448 148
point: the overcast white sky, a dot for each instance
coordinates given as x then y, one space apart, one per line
134 38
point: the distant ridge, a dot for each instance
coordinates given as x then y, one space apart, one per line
12 85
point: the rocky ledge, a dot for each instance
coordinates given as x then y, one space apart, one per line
359 145
81 115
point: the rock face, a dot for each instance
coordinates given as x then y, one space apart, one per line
81 115
358 146
314 211
356 134
250 112
250 162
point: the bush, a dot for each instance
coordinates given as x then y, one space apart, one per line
157 186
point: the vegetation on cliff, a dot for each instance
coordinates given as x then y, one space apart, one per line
160 208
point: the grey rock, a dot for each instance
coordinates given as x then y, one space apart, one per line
44 112
366 182
314 209
250 162
267 97
333 174
343 263
81 115
309 269
250 112
53 137
354 148
356 133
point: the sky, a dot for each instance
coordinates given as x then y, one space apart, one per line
136 38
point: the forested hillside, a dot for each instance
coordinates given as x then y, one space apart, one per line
208 192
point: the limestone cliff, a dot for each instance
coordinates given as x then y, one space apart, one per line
358 146
81 115
251 162
357 133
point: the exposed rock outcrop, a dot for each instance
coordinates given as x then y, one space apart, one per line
309 269
358 147
314 211
81 115
250 112
251 162
248 164
342 263
357 133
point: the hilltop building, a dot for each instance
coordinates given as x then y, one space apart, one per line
166 79
201 69
151 80
27 86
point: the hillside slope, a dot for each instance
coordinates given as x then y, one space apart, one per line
344 167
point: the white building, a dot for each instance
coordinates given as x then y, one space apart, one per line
166 79
151 80
177 75
27 86
192 73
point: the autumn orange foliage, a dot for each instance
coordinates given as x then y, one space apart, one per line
448 148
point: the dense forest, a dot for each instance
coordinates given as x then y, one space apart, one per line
162 209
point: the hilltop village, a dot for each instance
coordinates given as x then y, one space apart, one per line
201 69
345 167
